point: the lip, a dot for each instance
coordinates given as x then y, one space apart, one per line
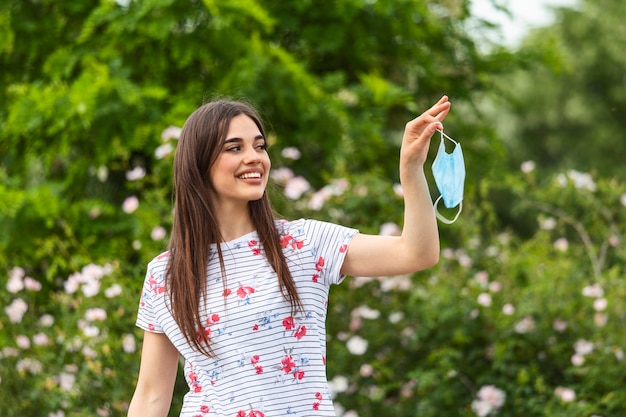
250 171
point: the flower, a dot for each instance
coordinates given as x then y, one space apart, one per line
600 319
495 286
32 366
482 277
291 152
561 244
41 339
582 180
15 283
16 310
281 175
395 317
577 359
128 343
399 191
565 394
338 384
318 199
390 229
171 132
593 291
136 173
492 395
130 204
489 399
484 299
356 345
46 320
66 381
481 408
547 224
113 291
296 187
22 341
583 347
559 325
600 304
158 233
366 312
96 314
527 167
508 309
526 325
32 284
163 150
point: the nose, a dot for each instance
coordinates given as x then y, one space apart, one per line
251 156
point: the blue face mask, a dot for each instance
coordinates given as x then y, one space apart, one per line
449 172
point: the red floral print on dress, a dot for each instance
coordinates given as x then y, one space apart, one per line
287 364
207 334
254 360
253 413
214 318
284 240
204 409
193 382
300 332
319 265
288 323
343 248
243 291
253 244
297 244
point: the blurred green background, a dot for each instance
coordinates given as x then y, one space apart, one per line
523 316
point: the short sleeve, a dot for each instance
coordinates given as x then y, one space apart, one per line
329 246
153 288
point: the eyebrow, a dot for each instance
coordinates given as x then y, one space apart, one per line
236 139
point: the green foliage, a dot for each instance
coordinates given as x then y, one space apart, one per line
572 111
91 93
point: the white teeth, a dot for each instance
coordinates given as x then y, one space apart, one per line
250 175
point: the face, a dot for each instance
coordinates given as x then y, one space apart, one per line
241 171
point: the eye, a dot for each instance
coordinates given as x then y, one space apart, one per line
262 147
233 148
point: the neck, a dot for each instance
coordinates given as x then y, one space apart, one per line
234 222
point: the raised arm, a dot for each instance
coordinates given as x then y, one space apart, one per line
418 246
157 375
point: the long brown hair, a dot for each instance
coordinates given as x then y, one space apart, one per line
196 227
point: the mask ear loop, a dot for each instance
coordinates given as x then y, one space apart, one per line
441 217
448 137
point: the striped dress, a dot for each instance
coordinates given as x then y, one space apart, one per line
267 362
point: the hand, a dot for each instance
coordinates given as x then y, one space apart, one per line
419 131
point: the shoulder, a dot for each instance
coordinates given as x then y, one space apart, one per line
301 227
158 264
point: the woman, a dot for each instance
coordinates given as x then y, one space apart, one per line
242 296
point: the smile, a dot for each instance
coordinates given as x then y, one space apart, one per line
250 175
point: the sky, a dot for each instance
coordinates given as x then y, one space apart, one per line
526 14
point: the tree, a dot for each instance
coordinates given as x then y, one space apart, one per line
569 114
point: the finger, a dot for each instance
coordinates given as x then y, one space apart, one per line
443 113
435 109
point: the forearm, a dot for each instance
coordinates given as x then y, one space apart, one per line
146 405
420 234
